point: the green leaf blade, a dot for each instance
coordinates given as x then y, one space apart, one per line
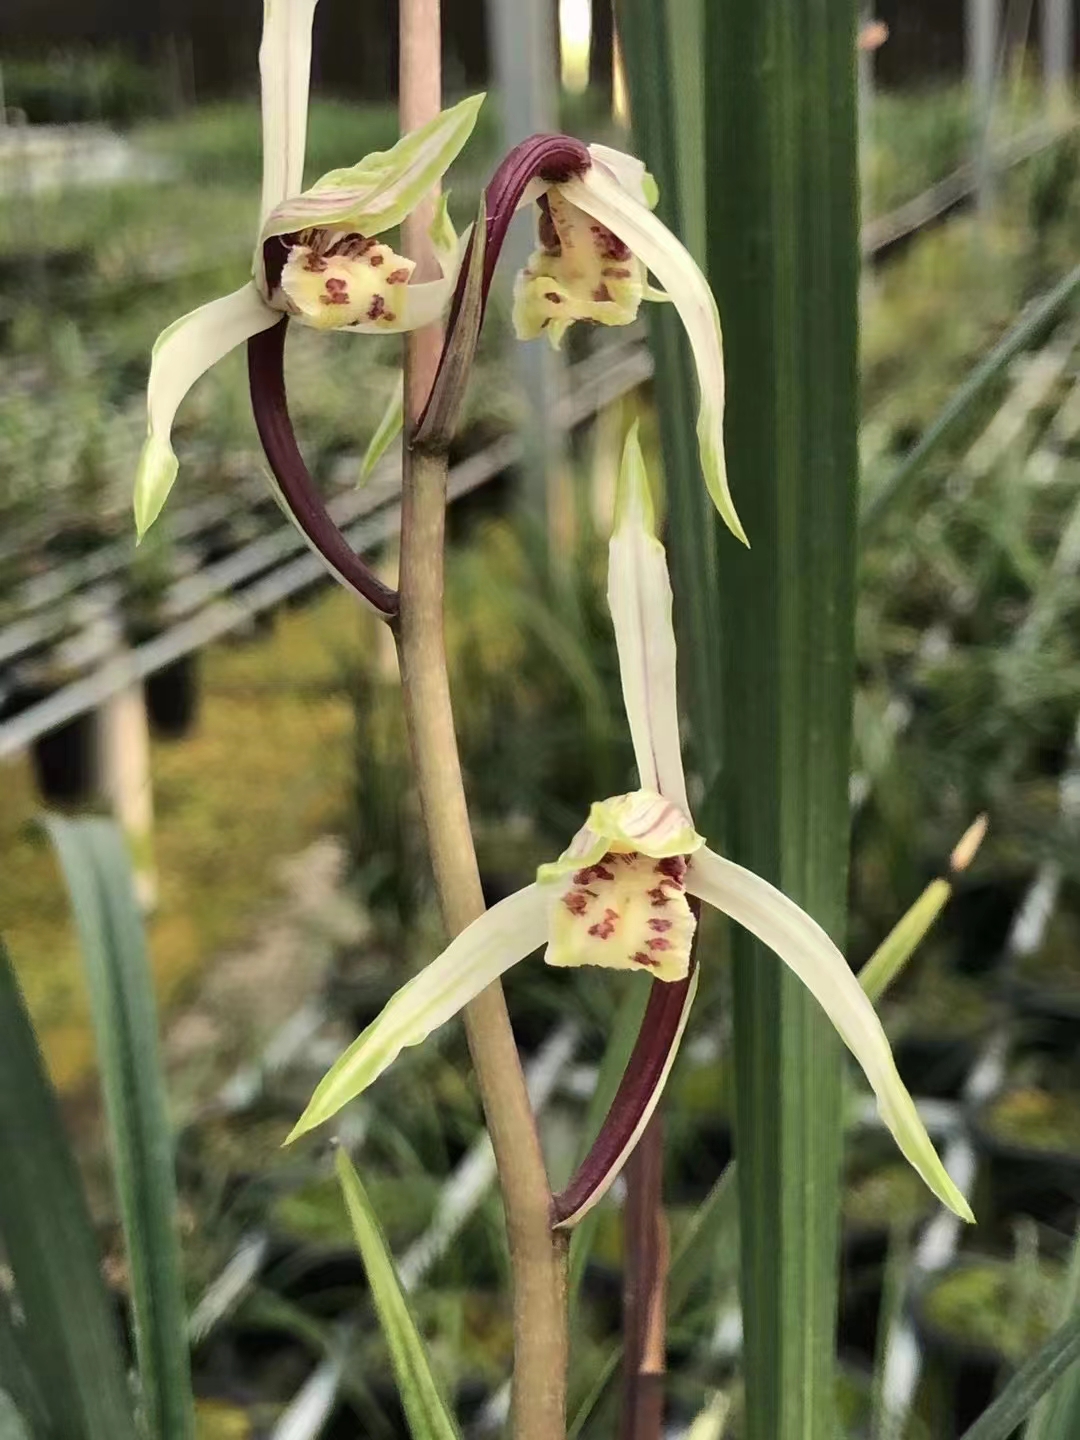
72 1342
427 1413
1049 1363
97 869
783 257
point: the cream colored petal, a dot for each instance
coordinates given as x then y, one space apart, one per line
804 947
639 596
630 172
502 936
183 352
601 196
285 74
384 187
642 822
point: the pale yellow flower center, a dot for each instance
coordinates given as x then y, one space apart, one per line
581 271
628 911
331 280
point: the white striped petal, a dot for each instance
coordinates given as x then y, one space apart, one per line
639 596
806 949
285 75
600 195
605 1184
385 186
502 936
183 352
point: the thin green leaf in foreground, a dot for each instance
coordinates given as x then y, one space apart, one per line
387 430
98 873
425 1409
1028 1385
72 1345
1057 1415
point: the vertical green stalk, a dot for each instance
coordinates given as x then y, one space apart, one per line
783 259
661 46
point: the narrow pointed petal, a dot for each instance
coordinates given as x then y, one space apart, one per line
638 1095
285 74
482 952
602 197
183 352
805 948
639 596
384 187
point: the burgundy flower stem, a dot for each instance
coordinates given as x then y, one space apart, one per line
645 1272
550 158
660 1027
266 376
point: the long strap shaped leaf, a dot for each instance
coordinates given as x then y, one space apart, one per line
1029 1384
97 869
425 1409
71 1337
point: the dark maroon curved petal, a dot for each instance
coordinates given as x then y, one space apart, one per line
266 375
542 157
660 1027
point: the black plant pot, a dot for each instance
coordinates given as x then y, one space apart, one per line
1040 1001
968 1374
602 1296
935 1065
1023 1180
65 760
863 1253
326 1281
694 1165
172 697
980 916
248 1363
171 693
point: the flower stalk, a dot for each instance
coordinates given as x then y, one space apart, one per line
537 1254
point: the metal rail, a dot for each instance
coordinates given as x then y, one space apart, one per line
226 596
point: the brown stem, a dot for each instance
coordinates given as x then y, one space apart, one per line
645 1270
537 1255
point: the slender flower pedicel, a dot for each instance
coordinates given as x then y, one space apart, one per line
621 896
317 258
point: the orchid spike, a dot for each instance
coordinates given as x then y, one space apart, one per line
317 258
623 895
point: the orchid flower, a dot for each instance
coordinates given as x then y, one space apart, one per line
624 895
597 242
317 258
